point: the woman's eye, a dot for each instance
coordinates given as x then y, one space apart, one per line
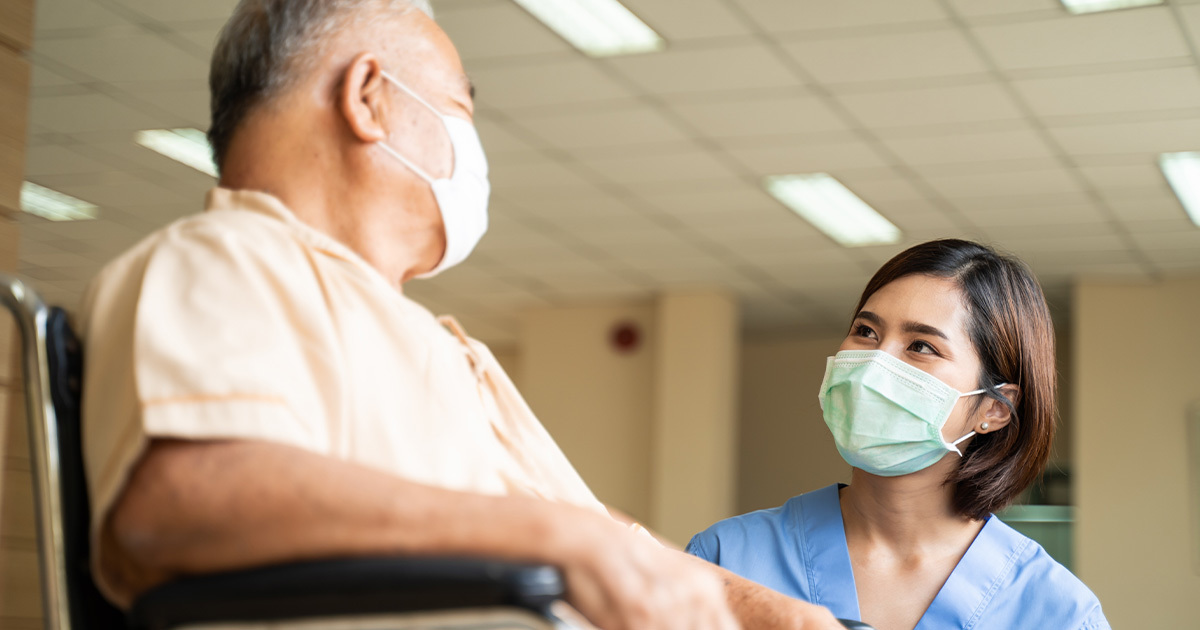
922 348
862 330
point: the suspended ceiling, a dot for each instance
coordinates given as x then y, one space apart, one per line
1007 121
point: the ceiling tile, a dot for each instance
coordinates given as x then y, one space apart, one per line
1082 40
181 11
1159 207
135 57
1016 144
597 285
1033 215
730 203
549 84
610 127
512 174
1151 137
204 39
1186 239
690 70
760 117
580 211
43 78
932 106
500 141
1145 90
1144 175
72 14
189 107
807 157
887 57
982 8
642 168
783 16
1046 181
499 30
681 20
87 112
1191 20
879 186
57 160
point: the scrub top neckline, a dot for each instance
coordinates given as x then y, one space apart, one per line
963 597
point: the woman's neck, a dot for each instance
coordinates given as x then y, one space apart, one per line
911 514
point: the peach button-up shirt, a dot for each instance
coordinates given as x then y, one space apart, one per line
245 323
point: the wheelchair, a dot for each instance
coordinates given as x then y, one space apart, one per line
383 593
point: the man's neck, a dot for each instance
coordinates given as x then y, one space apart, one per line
325 195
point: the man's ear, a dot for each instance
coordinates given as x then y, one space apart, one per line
362 98
996 414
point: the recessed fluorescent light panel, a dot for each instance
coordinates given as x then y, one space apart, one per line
53 205
1183 171
824 202
600 28
1095 6
189 146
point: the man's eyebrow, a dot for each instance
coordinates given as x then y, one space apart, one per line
470 85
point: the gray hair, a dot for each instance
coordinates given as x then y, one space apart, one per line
267 45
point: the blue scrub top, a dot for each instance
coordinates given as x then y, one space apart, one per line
1004 581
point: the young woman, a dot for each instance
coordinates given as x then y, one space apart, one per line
941 398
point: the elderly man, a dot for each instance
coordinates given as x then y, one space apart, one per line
259 388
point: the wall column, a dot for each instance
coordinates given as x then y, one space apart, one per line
20 601
694 464
1137 373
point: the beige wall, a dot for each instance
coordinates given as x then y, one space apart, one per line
695 427
19 597
1137 368
784 447
597 403
652 431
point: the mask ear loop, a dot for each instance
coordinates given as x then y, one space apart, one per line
964 438
396 154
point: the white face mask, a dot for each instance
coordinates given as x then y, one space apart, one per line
462 198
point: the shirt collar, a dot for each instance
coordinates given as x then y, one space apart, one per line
266 204
988 562
823 546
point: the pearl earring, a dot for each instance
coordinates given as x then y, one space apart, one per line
983 427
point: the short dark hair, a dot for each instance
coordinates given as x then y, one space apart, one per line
257 54
1011 330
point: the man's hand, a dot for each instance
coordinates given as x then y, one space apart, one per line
620 580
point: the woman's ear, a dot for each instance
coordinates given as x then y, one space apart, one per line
996 414
362 98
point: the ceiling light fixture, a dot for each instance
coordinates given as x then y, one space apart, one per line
188 146
600 28
1183 172
1095 6
53 205
824 202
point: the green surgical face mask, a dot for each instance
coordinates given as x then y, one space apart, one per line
886 416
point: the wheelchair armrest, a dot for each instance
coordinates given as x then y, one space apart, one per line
347 587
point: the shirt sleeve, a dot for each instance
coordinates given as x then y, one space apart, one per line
206 332
1095 620
704 546
232 340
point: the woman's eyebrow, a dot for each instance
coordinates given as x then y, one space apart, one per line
924 329
871 317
